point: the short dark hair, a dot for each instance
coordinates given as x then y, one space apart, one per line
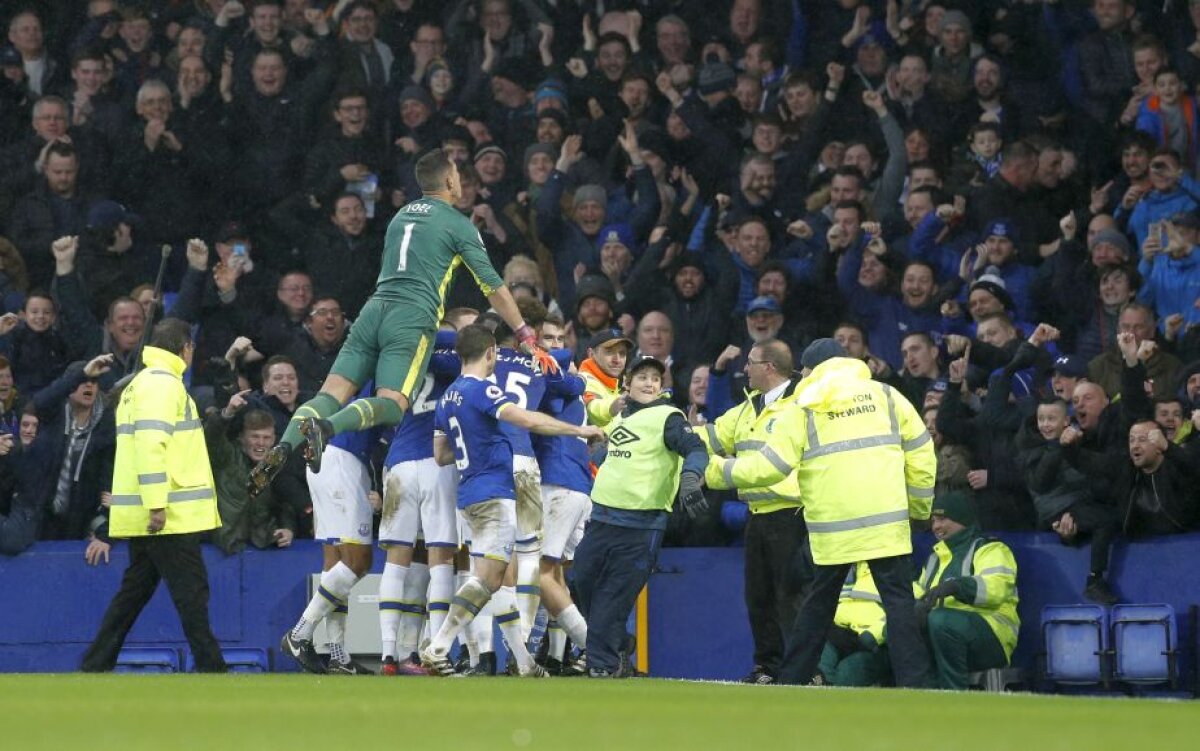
431 170
171 334
473 342
554 319
1019 151
41 294
122 300
924 335
65 150
272 362
345 194
862 330
849 170
257 419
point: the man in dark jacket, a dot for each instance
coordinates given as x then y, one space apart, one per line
81 434
54 209
266 522
342 252
121 333
270 125
698 309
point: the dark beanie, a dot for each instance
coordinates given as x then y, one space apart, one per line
956 505
820 351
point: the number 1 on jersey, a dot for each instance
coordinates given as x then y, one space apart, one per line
408 230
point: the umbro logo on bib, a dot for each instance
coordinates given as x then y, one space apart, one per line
622 435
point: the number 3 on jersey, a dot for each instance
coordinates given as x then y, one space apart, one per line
404 241
462 460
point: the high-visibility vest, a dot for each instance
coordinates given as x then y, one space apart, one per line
743 429
161 459
863 458
860 607
992 565
639 472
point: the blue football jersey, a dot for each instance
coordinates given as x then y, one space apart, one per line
467 416
413 437
564 460
516 374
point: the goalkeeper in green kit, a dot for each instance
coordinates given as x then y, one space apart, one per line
392 339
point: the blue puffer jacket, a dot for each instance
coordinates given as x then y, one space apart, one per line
1155 207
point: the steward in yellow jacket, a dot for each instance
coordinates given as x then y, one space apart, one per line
776 530
163 499
969 590
865 466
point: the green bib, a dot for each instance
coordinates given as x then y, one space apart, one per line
640 472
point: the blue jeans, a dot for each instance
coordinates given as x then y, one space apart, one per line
612 564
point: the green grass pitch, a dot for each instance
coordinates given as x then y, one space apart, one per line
164 713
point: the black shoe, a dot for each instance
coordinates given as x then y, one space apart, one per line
346 668
301 650
575 666
1098 591
627 654
553 666
510 666
485 667
265 471
318 432
759 676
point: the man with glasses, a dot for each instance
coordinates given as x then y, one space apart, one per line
316 347
775 533
366 62
865 466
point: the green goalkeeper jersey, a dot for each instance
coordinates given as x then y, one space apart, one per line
425 243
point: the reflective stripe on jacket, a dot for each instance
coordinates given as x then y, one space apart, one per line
161 459
743 429
860 607
991 564
864 461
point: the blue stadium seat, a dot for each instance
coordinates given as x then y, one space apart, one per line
239 660
150 660
1076 643
1145 639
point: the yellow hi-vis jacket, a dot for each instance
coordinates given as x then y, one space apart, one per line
161 460
864 461
860 608
993 570
600 391
747 428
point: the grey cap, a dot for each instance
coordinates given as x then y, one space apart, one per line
820 351
1112 237
591 192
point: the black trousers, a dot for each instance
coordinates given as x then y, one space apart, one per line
775 575
893 578
177 559
612 564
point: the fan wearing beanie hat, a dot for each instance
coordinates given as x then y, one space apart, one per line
967 594
1001 242
865 465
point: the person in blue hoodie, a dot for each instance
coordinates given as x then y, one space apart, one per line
1171 272
1172 191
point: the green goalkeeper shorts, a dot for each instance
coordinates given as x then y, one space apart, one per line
385 344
